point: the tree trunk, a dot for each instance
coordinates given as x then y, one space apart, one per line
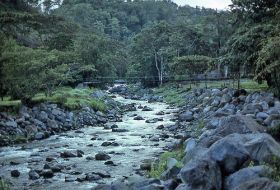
158 70
161 69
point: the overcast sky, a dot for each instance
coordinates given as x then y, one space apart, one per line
219 4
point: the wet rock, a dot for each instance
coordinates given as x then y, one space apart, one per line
119 130
80 153
152 120
47 173
70 178
160 127
146 166
81 178
146 108
102 156
102 173
160 113
57 168
106 144
138 118
39 136
110 163
49 159
202 174
33 175
92 177
15 173
89 158
67 154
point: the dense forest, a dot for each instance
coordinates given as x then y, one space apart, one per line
45 44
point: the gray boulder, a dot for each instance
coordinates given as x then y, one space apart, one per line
202 174
186 116
229 154
244 175
258 184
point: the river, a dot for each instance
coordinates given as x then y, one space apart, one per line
135 146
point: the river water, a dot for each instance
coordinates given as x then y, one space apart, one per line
135 146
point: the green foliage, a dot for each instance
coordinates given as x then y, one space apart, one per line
73 99
27 71
158 168
4 185
191 65
171 94
268 63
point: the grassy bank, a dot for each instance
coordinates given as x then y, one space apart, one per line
174 93
67 97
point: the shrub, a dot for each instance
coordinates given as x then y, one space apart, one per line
159 167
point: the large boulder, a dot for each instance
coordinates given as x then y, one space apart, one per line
203 174
261 147
258 184
229 125
229 154
244 175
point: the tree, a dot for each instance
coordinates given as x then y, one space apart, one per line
189 66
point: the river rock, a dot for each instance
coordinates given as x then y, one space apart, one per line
152 120
15 173
186 116
47 173
229 154
189 144
39 136
171 162
229 125
67 154
244 175
102 156
258 184
146 108
170 173
119 130
202 173
33 175
138 118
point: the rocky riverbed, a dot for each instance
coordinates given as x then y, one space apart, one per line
97 153
224 133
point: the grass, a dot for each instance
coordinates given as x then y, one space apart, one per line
69 98
4 185
174 94
171 94
158 168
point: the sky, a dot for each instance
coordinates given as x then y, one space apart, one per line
219 4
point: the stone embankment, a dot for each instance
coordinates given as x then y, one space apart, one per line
226 143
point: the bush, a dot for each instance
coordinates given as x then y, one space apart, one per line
159 167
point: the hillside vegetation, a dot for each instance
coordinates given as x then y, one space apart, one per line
46 44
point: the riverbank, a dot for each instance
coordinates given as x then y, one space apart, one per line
96 153
223 135
231 143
